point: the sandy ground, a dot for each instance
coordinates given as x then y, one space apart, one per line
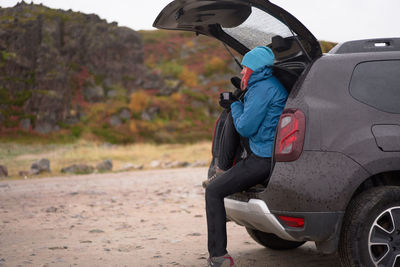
146 218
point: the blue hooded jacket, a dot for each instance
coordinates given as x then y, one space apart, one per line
258 115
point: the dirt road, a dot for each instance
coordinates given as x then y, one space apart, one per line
147 218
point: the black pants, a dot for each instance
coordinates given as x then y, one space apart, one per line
244 174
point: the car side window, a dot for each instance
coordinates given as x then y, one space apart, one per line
377 84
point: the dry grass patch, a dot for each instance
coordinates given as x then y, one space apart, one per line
18 157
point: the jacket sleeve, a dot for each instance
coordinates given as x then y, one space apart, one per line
248 116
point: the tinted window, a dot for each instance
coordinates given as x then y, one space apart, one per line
377 83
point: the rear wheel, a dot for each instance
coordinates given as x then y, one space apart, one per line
272 241
371 229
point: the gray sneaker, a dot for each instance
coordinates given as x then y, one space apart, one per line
222 261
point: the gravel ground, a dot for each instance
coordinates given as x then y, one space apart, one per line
143 218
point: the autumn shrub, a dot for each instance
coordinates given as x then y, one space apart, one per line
215 65
177 97
189 44
171 68
133 127
189 78
139 101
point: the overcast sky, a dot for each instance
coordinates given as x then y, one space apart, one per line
332 20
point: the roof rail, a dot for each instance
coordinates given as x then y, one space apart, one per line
368 45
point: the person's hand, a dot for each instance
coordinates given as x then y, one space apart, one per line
236 82
226 99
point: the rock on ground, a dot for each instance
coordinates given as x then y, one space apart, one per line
78 169
3 171
104 166
40 166
131 167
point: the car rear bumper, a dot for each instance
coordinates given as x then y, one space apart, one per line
321 227
256 215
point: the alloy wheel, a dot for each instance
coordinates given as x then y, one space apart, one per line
384 239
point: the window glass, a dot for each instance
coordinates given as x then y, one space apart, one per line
377 83
258 29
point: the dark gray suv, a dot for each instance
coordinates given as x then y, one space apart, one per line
336 173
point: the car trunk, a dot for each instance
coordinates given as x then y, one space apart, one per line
244 25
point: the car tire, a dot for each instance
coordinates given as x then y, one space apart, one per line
272 241
370 233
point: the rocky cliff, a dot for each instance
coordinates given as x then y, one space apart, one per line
54 62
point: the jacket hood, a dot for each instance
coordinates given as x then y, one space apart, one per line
258 58
260 74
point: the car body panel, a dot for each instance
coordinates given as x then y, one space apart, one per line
313 183
387 137
327 104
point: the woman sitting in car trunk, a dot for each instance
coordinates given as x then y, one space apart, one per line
255 119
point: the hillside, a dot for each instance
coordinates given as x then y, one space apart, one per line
66 75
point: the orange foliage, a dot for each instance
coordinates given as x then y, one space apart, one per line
189 78
177 97
133 127
189 44
215 64
139 101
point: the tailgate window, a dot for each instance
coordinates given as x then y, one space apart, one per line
258 29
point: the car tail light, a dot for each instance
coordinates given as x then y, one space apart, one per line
292 221
290 135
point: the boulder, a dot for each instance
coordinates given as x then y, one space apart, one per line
130 167
150 113
40 166
115 120
78 169
93 93
3 171
104 166
45 127
44 165
175 164
23 173
179 164
155 164
34 170
125 114
26 124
